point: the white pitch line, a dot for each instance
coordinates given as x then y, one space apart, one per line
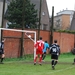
61 70
47 73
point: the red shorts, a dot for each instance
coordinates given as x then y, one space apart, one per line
39 51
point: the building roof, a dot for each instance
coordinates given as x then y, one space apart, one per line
36 2
37 5
68 12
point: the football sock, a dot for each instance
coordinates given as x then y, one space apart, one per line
52 62
55 62
35 59
2 59
40 59
44 55
74 60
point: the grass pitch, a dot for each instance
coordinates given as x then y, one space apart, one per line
26 67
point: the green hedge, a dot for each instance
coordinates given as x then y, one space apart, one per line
66 31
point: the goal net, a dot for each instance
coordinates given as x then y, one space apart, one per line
13 35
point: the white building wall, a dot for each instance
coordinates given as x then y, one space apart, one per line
1 7
1 10
67 12
1 4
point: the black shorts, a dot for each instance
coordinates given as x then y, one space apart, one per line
44 53
54 57
1 52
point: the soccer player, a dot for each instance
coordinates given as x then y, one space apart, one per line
46 47
74 61
54 51
39 50
2 51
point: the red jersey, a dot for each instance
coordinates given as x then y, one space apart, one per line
39 45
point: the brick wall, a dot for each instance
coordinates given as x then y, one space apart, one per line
12 46
65 40
65 21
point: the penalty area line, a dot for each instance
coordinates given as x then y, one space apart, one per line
62 70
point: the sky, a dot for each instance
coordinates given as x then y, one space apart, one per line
60 5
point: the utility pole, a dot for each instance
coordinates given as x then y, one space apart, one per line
3 10
39 19
52 23
23 18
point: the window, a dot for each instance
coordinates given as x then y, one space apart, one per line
45 26
58 22
43 13
6 25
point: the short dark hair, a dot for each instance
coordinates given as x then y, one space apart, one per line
40 38
55 41
45 41
2 38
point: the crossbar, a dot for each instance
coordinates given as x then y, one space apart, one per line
18 30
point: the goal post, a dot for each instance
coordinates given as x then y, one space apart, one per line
25 31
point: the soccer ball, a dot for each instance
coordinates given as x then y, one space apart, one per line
29 36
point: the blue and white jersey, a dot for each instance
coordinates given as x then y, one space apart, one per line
46 45
1 48
1 45
55 49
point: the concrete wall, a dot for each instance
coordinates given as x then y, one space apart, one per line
12 46
1 4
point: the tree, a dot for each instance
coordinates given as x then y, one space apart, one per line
14 14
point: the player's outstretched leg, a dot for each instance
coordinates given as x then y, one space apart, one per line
55 62
2 58
43 57
74 61
40 60
52 63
